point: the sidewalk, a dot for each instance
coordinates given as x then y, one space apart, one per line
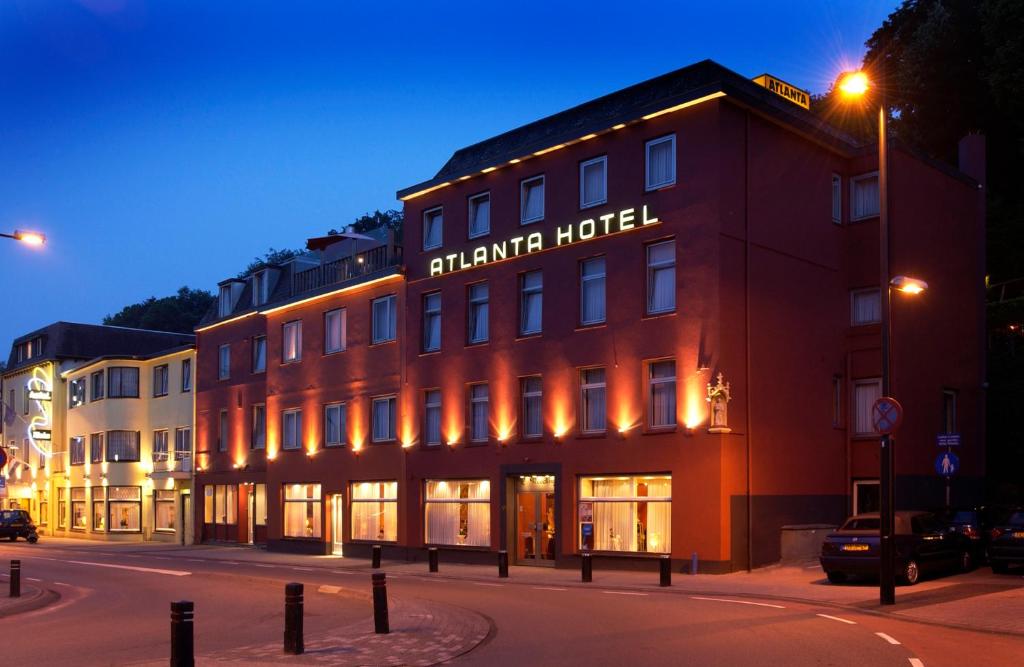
32 597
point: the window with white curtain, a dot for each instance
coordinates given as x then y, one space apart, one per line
661 407
531 301
384 416
258 439
182 444
433 228
163 510
479 412
661 162
186 375
592 291
385 318
78 511
865 393
122 446
458 512
222 431
593 182
220 504
291 429
432 417
478 313
661 277
626 513
224 301
124 508
335 334
260 501
375 511
98 385
76 393
837 199
259 354
531 200
864 196
160 452
334 425
223 362
480 215
865 306
260 283
123 382
592 400
291 341
302 510
96 448
76 450
532 417
99 508
161 375
432 322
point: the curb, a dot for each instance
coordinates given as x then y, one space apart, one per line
37 598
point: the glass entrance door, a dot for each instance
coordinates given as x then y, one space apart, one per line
535 520
337 514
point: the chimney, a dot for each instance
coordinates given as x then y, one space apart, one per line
971 152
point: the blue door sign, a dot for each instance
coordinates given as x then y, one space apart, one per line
947 464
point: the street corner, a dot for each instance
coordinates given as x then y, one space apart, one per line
31 598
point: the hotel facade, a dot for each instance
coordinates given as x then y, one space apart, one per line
646 325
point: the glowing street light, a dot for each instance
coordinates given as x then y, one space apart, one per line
854 84
908 285
26 237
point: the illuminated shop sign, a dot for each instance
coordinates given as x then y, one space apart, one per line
41 434
784 90
584 230
40 390
40 395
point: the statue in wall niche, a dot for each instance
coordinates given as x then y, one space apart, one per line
718 398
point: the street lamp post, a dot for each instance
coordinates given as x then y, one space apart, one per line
29 238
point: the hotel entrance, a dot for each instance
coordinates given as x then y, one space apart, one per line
535 520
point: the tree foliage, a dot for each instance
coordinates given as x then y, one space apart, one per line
179 313
272 256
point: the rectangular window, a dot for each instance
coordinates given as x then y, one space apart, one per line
122 446
385 318
837 401
76 393
163 510
335 330
123 382
224 301
661 407
432 322
62 508
375 511
186 375
97 385
458 512
44 508
226 504
531 302
593 182
432 417
479 215
160 450
949 422
592 400
479 412
531 200
531 419
302 510
334 425
96 448
291 429
865 393
209 502
478 313
125 508
76 450
78 520
99 508
384 418
837 199
661 162
291 341
182 444
222 431
433 228
224 362
259 354
258 439
160 375
592 284
260 501
864 196
865 307
626 513
259 288
661 277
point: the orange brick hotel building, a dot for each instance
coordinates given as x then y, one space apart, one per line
645 325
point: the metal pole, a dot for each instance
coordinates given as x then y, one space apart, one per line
503 564
432 558
293 603
182 644
377 549
15 578
665 565
380 603
887 575
586 568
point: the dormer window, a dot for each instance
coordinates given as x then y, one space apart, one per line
259 288
224 301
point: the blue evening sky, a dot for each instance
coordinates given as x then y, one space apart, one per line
161 144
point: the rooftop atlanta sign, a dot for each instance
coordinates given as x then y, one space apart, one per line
584 230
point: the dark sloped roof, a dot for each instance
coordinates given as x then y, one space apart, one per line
626 105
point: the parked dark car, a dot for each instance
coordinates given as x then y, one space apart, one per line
923 544
17 523
1006 542
974 523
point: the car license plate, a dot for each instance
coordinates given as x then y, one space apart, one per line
1019 534
855 547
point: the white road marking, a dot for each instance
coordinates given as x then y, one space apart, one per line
813 567
887 638
548 588
260 565
836 618
480 583
33 579
624 593
230 562
61 583
304 569
329 589
175 573
195 560
755 604
915 662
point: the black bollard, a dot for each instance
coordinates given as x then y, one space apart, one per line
15 578
503 564
587 568
293 619
380 603
666 570
181 634
376 556
432 558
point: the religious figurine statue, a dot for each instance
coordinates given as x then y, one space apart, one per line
718 398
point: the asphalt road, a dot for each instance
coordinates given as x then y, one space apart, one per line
114 610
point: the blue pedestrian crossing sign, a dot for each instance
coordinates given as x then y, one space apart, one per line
947 464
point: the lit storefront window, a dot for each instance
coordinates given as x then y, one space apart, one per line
375 511
220 504
163 504
125 508
631 514
99 508
302 510
458 512
78 508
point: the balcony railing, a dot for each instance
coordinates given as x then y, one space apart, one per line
347 268
179 464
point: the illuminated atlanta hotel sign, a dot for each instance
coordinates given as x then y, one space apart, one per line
584 230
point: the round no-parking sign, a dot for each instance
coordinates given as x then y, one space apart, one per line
886 415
